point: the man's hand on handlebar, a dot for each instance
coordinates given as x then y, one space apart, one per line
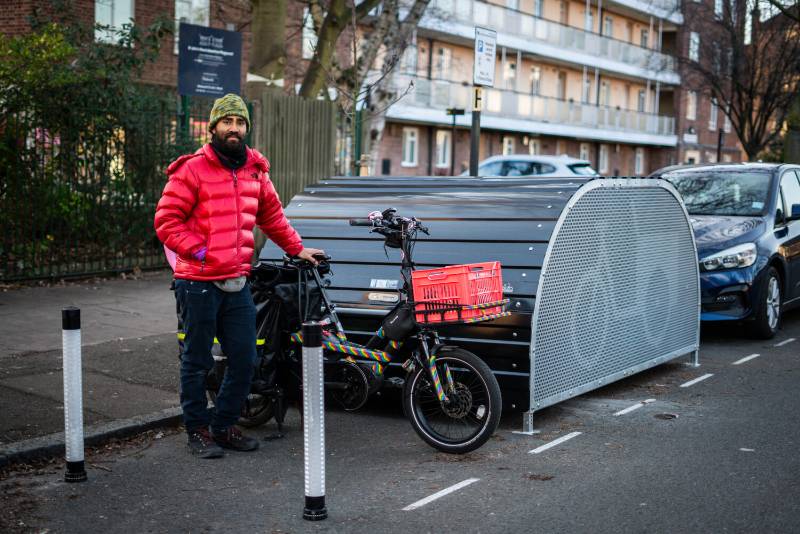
312 255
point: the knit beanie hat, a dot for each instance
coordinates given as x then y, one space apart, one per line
229 104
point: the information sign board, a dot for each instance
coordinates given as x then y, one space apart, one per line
209 61
485 51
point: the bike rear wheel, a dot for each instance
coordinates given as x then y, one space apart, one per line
470 415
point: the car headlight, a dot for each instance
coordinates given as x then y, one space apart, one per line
739 256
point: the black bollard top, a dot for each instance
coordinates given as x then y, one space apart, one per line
312 334
71 318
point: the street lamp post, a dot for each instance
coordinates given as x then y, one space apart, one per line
453 112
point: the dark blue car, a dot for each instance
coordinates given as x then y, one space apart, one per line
746 221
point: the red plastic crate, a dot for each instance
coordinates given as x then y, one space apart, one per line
448 294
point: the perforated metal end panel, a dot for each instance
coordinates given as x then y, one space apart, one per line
619 290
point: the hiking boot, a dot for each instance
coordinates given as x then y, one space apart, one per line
202 444
233 439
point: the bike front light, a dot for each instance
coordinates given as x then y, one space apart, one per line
735 257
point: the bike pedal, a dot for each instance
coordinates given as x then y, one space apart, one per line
408 365
395 382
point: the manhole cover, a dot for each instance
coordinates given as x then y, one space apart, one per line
666 416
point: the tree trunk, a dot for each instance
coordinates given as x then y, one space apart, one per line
268 55
340 14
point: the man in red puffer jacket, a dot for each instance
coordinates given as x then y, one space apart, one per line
206 215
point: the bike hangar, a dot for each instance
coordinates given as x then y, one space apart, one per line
602 273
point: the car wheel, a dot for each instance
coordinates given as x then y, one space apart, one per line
767 311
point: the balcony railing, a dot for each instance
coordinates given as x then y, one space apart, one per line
530 28
661 8
439 94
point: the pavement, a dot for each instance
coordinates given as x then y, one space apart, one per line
714 455
129 353
671 449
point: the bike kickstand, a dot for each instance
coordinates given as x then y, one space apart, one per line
278 417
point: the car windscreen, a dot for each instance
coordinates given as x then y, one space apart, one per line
583 169
722 192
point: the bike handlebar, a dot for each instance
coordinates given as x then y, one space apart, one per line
389 221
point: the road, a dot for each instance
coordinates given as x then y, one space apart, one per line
713 449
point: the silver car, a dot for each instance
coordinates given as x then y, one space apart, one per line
521 165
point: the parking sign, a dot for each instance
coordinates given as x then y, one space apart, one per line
485 49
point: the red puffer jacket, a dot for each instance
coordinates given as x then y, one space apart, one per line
205 204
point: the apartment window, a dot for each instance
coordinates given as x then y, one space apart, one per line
309 35
603 163
718 9
588 23
443 144
191 12
691 105
561 86
644 38
534 147
608 26
510 75
508 145
410 59
584 152
560 147
694 46
563 14
444 57
638 162
641 101
538 7
513 4
410 147
536 80
587 90
111 13
726 125
605 94
712 118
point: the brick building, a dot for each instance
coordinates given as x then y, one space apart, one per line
699 119
231 15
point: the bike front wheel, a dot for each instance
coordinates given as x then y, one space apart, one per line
471 413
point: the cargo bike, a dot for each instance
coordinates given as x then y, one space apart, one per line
450 396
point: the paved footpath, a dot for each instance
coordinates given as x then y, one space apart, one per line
129 357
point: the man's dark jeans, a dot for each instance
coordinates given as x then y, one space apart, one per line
207 311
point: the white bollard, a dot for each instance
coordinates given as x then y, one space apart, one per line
314 422
73 394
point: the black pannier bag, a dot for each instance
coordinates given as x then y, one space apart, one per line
399 323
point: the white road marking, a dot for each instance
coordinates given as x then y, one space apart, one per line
746 359
555 442
636 406
784 342
747 450
696 380
440 494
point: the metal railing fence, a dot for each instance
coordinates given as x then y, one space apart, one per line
442 94
78 190
535 29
